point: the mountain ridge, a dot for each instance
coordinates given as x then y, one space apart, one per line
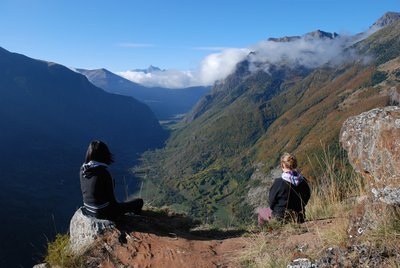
149 69
317 34
387 19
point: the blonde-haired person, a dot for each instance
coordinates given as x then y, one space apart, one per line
288 195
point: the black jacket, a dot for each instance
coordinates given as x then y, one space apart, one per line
288 201
97 186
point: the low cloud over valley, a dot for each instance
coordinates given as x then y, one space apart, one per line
310 50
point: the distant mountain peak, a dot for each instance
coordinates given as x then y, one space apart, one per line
318 34
150 69
321 34
284 39
387 19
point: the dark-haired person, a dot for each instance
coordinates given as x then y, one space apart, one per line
97 186
288 195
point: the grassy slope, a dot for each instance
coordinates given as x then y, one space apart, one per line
250 119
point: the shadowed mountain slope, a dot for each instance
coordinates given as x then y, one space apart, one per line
48 116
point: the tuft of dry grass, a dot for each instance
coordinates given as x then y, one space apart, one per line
59 254
336 188
263 251
335 235
386 236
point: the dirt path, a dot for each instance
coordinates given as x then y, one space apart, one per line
164 240
149 250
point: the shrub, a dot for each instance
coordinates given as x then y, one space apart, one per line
58 253
376 78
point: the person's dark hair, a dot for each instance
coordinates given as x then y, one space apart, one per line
98 151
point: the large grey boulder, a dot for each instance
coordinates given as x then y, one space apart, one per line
84 230
372 140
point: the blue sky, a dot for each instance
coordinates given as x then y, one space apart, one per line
171 34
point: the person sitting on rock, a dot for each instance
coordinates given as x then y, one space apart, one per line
97 186
288 195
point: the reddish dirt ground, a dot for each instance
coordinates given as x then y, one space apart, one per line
162 240
149 250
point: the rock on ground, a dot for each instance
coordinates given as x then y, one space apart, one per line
372 140
84 230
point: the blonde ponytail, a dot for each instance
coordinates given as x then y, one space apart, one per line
289 161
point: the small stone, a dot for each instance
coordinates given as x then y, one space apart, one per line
41 265
301 263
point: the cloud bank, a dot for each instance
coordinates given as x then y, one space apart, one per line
166 79
212 68
308 51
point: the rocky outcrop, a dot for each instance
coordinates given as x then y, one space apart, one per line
387 19
84 230
372 140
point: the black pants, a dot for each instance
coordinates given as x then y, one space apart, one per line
117 210
289 216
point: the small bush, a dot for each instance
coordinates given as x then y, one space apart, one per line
376 78
397 73
58 253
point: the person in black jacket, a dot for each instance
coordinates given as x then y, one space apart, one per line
97 186
289 194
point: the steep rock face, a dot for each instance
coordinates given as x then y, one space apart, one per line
372 140
84 230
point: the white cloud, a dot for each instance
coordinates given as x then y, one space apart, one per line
214 67
167 79
309 53
306 51
217 66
